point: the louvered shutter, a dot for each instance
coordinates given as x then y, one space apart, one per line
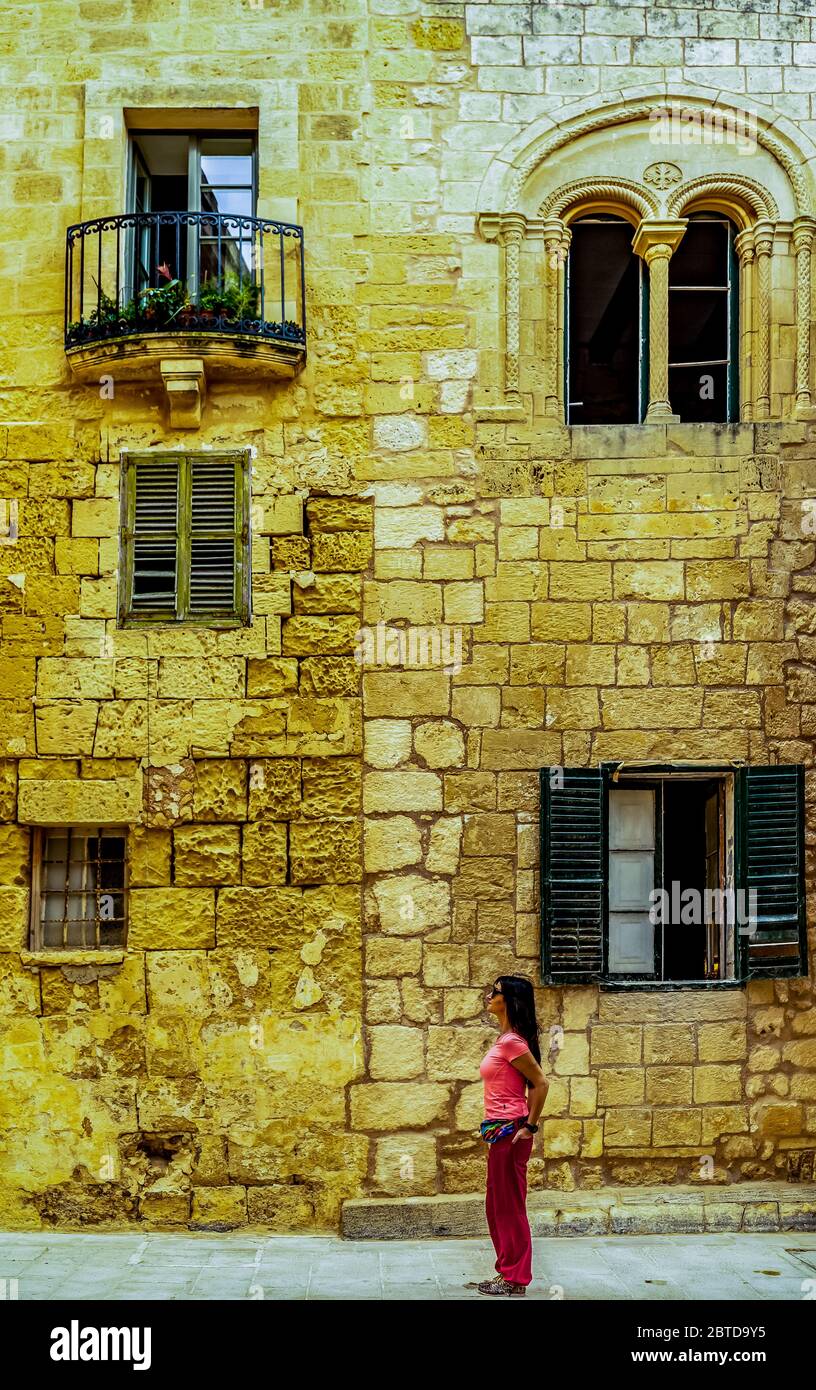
573 873
215 537
771 853
185 529
152 531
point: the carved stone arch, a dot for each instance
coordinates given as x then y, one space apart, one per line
512 166
599 190
505 202
735 189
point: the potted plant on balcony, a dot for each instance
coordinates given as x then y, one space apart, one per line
231 300
159 305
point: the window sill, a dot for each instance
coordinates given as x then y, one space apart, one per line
655 986
173 624
90 956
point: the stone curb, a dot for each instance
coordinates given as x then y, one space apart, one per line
604 1211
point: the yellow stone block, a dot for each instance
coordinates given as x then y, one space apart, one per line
397 1053
627 1128
206 854
565 622
438 34
171 918
13 918
443 562
620 1085
95 516
615 1042
717 1083
587 580
77 556
113 801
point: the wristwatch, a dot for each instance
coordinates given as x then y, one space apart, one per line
532 1128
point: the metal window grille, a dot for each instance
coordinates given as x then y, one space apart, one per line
80 888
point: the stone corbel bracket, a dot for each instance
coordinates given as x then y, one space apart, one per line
186 386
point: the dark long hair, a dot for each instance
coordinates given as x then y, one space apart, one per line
519 1001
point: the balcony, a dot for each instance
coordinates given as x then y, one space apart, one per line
180 296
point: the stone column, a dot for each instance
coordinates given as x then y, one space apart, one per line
655 240
744 244
511 235
556 246
803 233
763 247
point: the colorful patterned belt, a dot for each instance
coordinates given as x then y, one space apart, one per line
491 1130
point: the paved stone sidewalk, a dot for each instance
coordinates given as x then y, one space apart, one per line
742 1267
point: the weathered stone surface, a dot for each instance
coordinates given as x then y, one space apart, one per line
207 854
163 918
270 917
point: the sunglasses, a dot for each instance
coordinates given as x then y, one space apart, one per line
494 992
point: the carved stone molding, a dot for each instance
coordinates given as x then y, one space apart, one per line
663 174
746 252
734 188
804 230
661 197
763 248
611 190
621 114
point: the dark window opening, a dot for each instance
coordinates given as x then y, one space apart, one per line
178 172
605 316
703 329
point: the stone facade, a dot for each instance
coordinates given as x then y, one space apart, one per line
331 854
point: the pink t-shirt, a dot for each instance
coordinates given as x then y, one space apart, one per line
505 1089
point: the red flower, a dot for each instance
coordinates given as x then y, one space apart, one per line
164 270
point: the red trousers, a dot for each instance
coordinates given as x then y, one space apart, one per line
506 1207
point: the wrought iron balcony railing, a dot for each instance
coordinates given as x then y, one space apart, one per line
184 272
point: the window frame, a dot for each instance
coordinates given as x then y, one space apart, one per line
574 872
598 216
655 777
240 616
35 924
732 291
194 136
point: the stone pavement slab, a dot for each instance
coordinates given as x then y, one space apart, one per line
741 1266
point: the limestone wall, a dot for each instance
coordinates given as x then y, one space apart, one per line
329 861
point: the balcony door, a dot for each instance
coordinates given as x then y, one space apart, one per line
180 172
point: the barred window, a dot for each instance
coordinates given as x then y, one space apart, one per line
185 538
79 881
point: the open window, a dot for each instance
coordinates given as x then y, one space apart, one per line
176 173
703 326
606 318
672 876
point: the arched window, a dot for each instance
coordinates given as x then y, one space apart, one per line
703 321
605 321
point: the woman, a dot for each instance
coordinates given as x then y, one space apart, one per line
515 1089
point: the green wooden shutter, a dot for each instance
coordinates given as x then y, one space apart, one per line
151 537
215 542
771 853
185 538
573 873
